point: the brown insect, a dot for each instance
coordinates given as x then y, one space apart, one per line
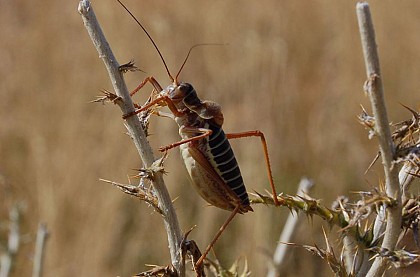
205 147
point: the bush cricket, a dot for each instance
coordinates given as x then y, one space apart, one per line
205 147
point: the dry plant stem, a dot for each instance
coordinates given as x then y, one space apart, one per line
41 238
288 231
380 223
135 129
406 178
6 259
382 131
356 259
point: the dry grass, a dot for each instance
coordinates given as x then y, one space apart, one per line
291 69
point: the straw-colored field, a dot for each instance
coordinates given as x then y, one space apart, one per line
293 69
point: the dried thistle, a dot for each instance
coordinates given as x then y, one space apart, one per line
368 121
399 258
146 195
359 213
406 137
107 97
407 131
156 167
341 203
130 66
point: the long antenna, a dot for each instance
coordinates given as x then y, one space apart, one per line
189 52
186 58
153 42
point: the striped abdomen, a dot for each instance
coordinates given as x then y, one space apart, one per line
224 162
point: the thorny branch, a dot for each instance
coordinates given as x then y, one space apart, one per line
343 214
136 131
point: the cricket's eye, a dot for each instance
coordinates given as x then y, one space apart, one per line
177 94
186 88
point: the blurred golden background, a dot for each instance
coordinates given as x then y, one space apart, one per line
293 69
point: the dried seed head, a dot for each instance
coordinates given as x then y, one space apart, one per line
340 204
106 97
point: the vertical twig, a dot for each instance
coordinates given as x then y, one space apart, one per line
374 89
41 238
288 231
6 259
136 131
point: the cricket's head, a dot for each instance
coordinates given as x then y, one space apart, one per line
183 95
